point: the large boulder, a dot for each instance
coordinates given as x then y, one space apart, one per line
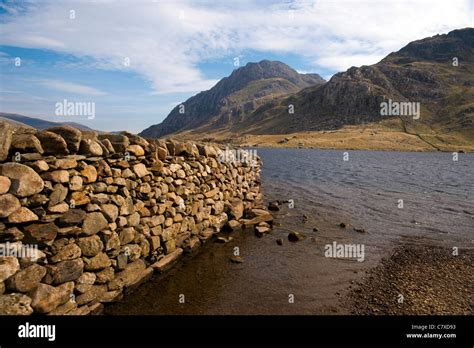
26 143
119 142
6 132
71 135
24 180
52 143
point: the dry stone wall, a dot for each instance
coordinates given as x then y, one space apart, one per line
86 217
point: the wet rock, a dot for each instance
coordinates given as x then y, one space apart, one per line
5 140
192 245
46 298
90 246
52 143
42 232
22 215
223 240
260 231
27 279
71 135
166 262
133 273
8 204
26 143
296 236
93 223
24 180
15 304
258 219
274 206
9 265
234 225
236 259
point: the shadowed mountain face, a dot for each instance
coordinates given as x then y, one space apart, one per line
233 98
422 72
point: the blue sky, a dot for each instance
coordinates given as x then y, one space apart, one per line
77 50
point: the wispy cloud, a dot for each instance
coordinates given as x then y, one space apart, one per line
165 42
71 87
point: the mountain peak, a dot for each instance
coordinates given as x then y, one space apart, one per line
235 96
457 43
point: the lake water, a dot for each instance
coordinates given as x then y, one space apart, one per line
437 194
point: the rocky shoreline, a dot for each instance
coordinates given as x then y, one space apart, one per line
87 217
416 280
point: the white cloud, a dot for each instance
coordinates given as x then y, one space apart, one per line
71 87
166 41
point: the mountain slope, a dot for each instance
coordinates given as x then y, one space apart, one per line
39 123
422 72
233 98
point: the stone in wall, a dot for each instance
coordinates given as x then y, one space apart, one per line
85 218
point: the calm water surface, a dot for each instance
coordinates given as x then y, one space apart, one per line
364 192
